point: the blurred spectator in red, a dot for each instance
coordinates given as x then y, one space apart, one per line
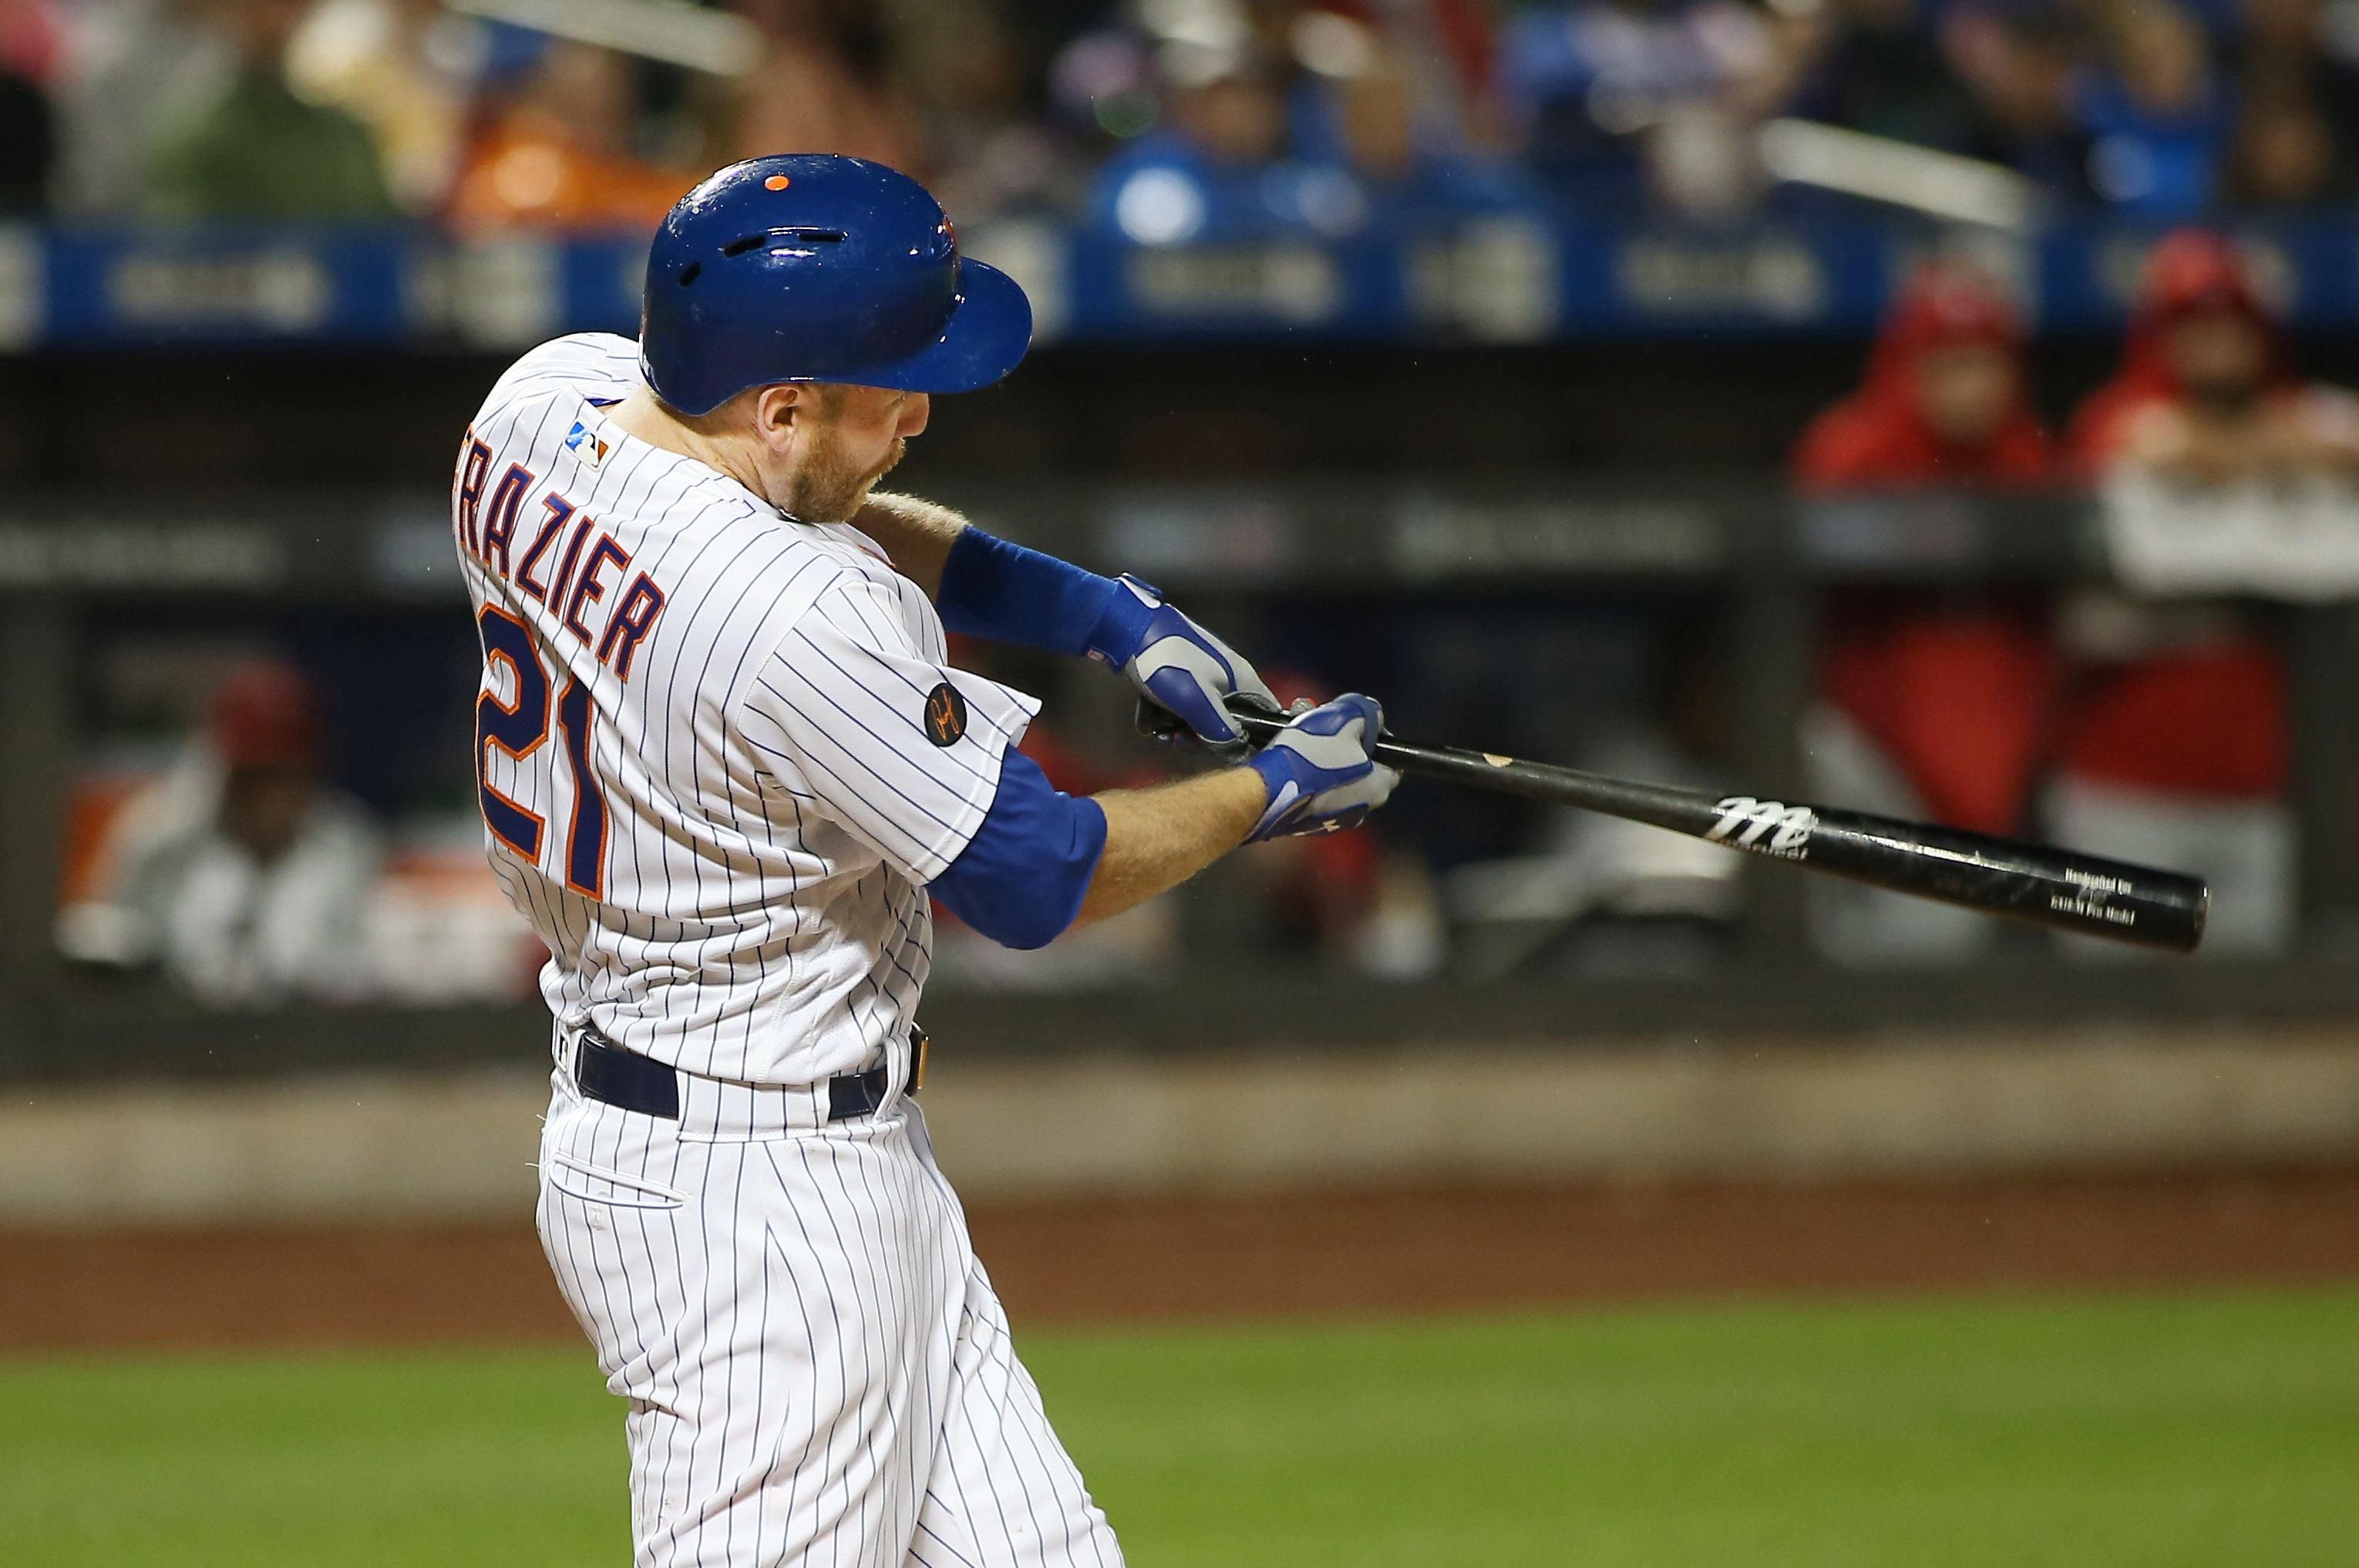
2156 114
242 874
2206 391
2177 751
1938 704
826 85
1943 401
256 150
559 156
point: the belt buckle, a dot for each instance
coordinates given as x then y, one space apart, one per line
919 1041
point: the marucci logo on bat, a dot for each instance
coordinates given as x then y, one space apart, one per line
1765 827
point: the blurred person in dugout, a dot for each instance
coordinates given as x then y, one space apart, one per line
1935 702
240 873
2222 476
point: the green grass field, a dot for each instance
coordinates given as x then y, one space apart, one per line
2220 1429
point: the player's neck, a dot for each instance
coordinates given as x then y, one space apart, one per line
640 417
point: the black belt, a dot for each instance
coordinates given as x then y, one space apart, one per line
607 1073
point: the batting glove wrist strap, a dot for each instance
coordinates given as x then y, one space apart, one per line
1126 620
1321 771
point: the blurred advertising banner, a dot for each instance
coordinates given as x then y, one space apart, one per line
1532 276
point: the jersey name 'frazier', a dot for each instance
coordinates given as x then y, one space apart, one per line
488 533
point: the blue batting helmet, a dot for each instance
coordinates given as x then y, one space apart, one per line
812 267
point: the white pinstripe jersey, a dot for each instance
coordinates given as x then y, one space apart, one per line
707 769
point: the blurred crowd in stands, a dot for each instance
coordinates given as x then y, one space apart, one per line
1165 117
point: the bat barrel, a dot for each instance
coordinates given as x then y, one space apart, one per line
2057 888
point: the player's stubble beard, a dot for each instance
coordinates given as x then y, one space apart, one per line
828 487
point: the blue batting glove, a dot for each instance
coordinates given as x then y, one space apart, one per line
1177 665
1321 770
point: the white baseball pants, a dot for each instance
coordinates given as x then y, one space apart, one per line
817 1368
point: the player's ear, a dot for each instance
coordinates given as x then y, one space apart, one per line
775 410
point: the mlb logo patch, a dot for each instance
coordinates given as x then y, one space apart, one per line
585 444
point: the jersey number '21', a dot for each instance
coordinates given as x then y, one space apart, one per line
519 728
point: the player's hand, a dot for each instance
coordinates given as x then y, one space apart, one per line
1178 665
1321 770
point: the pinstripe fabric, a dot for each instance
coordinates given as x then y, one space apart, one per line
815 1366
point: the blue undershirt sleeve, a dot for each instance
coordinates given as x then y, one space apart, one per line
1022 876
1004 592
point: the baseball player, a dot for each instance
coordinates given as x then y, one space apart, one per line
724 764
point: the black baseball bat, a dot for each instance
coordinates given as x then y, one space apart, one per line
2056 887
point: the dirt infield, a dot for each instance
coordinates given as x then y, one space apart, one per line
1209 1257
